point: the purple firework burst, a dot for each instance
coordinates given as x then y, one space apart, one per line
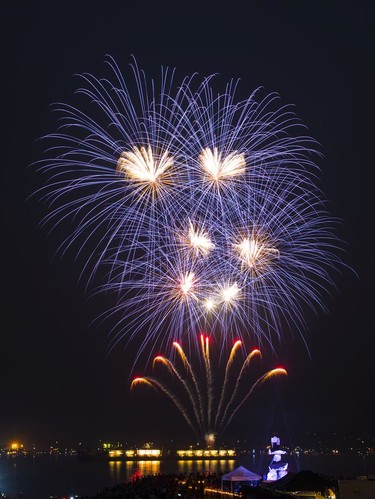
204 209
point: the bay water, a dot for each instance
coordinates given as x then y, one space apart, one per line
46 476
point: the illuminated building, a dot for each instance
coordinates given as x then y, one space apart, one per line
15 449
206 453
144 453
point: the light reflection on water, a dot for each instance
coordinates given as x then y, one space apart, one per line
40 477
205 465
122 471
349 466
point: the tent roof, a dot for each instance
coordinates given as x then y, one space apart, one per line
241 474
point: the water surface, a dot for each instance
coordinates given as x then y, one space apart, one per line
44 476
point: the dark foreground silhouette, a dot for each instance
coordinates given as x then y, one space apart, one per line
179 486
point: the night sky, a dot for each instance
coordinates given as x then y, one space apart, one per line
58 380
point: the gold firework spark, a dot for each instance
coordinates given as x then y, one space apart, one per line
194 394
217 169
149 171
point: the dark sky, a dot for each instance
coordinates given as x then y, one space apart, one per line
57 380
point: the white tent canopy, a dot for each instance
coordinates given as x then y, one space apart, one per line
240 474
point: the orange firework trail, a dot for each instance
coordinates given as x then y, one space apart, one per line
226 378
193 394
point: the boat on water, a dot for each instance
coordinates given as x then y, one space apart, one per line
278 466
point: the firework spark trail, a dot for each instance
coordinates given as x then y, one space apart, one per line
209 381
205 356
172 369
237 345
157 385
201 407
204 210
238 380
274 372
194 379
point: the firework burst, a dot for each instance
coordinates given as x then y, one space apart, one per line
204 209
190 386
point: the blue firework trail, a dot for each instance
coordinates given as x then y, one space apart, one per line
204 209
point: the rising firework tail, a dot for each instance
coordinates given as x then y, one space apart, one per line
203 210
189 386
